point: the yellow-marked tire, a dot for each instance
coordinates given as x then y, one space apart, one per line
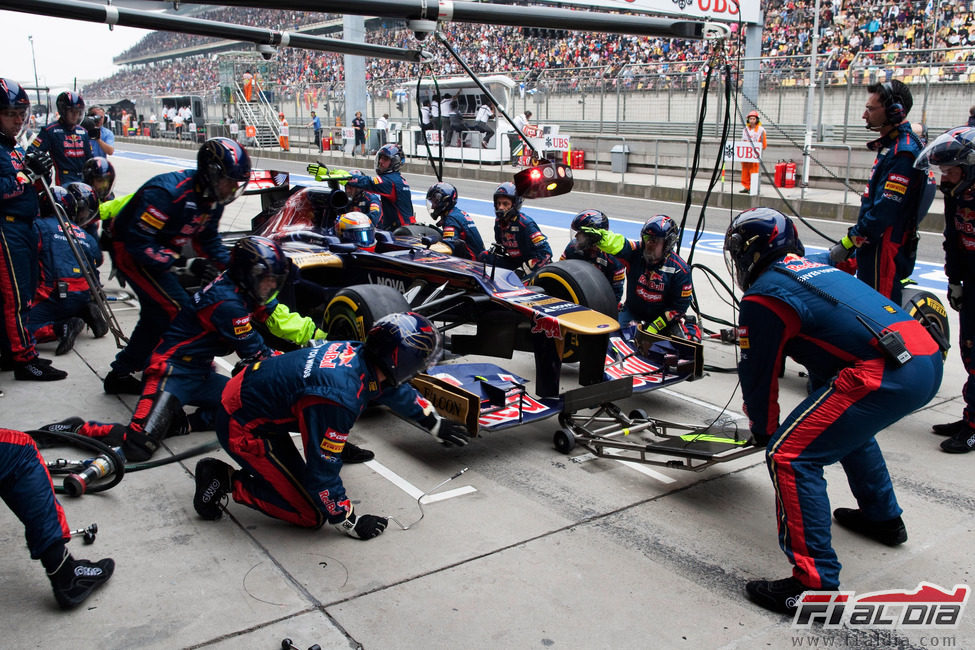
581 283
354 310
926 309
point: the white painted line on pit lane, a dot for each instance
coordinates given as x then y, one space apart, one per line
643 469
707 405
411 489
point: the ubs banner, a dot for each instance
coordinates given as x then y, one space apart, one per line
723 10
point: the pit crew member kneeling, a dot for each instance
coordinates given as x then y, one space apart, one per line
658 286
320 392
874 364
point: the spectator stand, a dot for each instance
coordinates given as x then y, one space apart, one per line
258 110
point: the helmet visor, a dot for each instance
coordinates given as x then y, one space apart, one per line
362 237
229 190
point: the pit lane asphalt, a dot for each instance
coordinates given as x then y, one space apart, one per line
531 549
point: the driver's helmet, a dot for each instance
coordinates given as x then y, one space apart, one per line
86 208
258 267
658 227
223 168
99 173
507 190
441 199
356 228
395 155
755 239
954 148
585 242
402 345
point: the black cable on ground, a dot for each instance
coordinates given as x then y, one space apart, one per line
77 440
183 455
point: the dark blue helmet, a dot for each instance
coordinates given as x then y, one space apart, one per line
755 239
441 199
70 101
395 155
402 345
595 219
223 168
62 197
100 175
507 190
258 267
659 227
86 209
954 148
13 95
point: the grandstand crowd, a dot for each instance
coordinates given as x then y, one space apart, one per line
877 28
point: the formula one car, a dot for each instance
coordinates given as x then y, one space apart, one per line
564 314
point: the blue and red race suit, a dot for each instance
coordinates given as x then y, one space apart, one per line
370 205
523 243
460 225
148 236
69 147
18 253
320 392
26 488
394 191
659 291
62 291
889 216
960 268
809 311
608 265
217 323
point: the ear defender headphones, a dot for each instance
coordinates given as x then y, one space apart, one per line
893 104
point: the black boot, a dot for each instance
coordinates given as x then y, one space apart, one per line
93 318
352 454
776 595
949 429
119 384
961 442
37 370
74 580
68 331
68 425
214 480
891 532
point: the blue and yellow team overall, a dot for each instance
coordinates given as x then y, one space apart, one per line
395 197
960 268
69 147
523 241
809 311
457 224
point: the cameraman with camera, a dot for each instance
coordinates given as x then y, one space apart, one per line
102 138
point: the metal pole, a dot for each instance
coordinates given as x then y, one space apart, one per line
807 149
37 86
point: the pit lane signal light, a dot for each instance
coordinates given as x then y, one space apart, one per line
547 178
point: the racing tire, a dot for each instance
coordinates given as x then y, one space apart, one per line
354 310
419 231
925 308
564 441
639 414
579 282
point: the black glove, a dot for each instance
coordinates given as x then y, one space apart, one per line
955 296
450 433
204 269
759 440
39 163
362 527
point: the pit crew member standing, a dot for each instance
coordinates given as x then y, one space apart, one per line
457 226
815 314
148 235
526 248
885 237
18 241
25 486
391 187
585 246
658 287
954 153
325 389
367 203
66 140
